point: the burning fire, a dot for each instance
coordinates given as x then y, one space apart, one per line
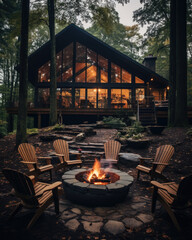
96 171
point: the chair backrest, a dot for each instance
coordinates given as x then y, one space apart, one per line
184 192
22 185
164 154
28 154
112 149
62 147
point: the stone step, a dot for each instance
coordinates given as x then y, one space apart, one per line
87 147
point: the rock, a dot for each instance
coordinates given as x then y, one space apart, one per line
129 159
92 227
114 227
89 131
138 206
92 218
132 223
145 218
76 210
80 137
115 216
72 224
67 215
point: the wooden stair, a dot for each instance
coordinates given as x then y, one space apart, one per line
147 116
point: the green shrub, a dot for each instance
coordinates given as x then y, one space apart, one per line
124 115
134 131
58 127
112 122
3 131
32 131
3 128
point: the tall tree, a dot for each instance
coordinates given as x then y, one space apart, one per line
53 82
181 64
172 69
22 109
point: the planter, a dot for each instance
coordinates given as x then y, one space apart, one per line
140 143
156 129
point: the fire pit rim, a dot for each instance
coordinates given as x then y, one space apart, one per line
86 193
69 178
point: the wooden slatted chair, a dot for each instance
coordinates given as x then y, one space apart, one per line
112 149
28 154
62 151
173 196
163 155
33 195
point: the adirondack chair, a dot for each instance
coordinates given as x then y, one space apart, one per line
173 196
163 155
28 154
35 195
62 151
112 149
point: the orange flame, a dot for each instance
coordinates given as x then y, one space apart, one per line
96 171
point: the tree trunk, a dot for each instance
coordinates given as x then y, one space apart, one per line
181 64
22 109
172 69
53 83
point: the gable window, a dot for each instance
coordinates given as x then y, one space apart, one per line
67 71
80 66
138 80
119 75
103 69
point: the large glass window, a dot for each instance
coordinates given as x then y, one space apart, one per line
92 98
126 76
102 98
67 74
120 98
59 66
44 73
103 69
119 75
66 98
115 73
140 94
80 66
80 101
91 66
138 80
43 97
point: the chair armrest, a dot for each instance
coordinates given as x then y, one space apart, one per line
32 177
28 162
158 163
162 186
48 188
59 154
142 159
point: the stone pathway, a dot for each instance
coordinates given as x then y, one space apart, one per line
132 213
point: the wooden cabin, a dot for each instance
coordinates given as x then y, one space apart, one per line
92 78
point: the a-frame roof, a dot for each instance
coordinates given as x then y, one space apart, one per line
73 33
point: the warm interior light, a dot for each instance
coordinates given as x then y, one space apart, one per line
152 79
167 87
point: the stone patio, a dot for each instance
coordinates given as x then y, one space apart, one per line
132 213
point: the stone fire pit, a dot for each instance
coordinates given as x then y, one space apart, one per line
96 195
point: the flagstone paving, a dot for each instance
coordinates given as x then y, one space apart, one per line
133 212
